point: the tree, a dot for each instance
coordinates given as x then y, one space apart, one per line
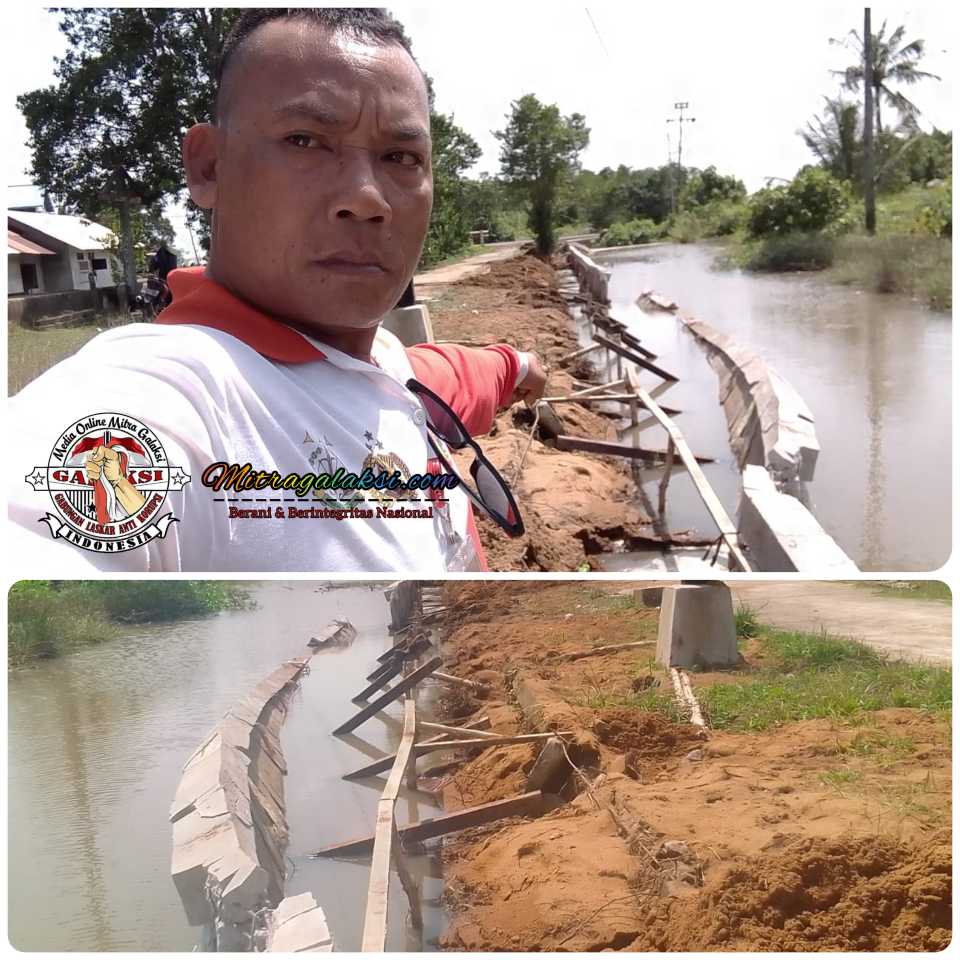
540 151
454 150
835 140
150 228
106 136
893 63
707 186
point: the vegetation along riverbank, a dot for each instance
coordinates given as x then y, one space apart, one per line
49 618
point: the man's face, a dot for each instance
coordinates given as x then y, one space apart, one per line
322 150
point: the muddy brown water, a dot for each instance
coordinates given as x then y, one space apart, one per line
874 369
97 741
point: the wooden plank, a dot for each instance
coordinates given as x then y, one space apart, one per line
393 694
631 341
458 681
725 525
577 354
385 763
599 388
604 398
455 731
378 890
523 805
665 479
611 449
420 749
608 648
631 355
383 677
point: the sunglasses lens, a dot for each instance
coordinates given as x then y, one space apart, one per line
442 422
491 489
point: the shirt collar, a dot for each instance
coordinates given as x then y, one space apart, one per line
199 300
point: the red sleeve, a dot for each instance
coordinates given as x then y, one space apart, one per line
476 382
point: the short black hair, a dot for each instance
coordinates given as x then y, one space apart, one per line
362 23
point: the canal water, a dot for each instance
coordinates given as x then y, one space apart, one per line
97 741
874 369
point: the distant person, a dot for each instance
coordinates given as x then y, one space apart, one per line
163 261
317 171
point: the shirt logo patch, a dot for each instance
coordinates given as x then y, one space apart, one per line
108 476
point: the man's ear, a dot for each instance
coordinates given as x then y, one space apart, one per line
200 163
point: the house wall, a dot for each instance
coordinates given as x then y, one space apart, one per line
80 268
14 283
15 277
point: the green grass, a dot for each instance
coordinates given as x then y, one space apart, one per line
815 675
30 352
747 623
51 618
807 676
910 264
919 589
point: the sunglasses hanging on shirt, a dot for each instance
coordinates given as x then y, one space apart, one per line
491 493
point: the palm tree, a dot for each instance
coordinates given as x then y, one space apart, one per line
834 138
894 63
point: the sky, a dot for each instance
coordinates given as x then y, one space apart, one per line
752 73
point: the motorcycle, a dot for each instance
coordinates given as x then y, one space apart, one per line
153 297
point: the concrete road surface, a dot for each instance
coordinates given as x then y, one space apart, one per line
904 627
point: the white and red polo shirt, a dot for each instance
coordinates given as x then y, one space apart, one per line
219 381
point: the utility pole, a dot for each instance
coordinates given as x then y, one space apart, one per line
869 197
680 105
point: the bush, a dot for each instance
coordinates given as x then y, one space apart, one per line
794 251
935 217
813 200
47 619
631 232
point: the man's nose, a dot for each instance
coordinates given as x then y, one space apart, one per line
357 192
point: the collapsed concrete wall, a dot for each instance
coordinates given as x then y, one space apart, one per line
769 423
781 533
405 604
593 278
229 826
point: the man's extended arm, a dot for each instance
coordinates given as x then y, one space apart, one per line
476 382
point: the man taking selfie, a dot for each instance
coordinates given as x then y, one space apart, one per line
317 173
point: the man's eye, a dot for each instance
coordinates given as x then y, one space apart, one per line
416 160
302 140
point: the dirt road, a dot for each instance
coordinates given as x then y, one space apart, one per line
465 268
903 626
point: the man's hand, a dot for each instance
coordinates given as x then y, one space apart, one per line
106 461
531 388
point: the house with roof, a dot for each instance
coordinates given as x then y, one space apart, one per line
54 253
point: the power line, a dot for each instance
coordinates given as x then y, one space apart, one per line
597 32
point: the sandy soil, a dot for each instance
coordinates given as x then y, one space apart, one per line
570 502
684 840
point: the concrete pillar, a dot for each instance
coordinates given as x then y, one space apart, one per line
697 626
648 596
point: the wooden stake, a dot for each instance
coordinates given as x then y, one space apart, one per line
611 449
458 681
455 731
420 749
726 526
395 693
524 805
665 479
385 763
634 357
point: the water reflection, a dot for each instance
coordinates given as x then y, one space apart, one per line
97 741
